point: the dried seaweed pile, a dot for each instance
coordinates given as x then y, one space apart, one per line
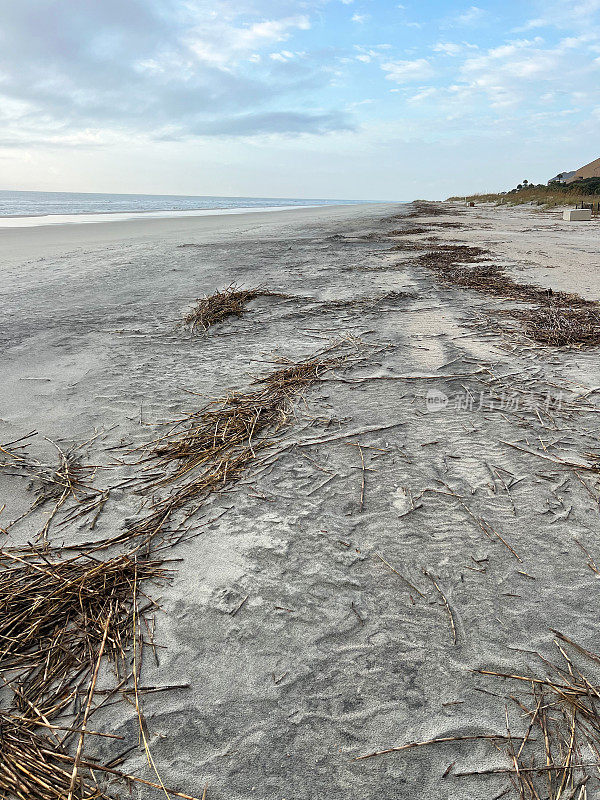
422 230
408 231
209 449
58 619
560 318
456 225
560 325
447 257
560 752
55 484
221 305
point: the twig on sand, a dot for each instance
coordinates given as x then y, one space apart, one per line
347 434
363 470
442 740
481 523
554 459
399 574
446 605
366 378
362 485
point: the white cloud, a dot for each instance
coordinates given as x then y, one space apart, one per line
360 18
453 48
283 56
220 45
368 54
564 16
423 94
407 71
530 25
472 16
521 72
163 70
358 103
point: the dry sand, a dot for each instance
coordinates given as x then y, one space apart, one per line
332 655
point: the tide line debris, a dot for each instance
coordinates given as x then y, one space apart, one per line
61 617
558 319
209 449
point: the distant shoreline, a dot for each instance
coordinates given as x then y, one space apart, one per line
82 217
33 241
34 209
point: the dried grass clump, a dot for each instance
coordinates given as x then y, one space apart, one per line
58 619
222 305
562 325
32 766
69 480
562 711
53 616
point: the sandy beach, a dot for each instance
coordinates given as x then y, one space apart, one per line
432 509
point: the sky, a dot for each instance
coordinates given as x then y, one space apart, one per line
349 99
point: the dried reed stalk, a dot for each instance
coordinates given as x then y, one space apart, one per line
32 767
52 617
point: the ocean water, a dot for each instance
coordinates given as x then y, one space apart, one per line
27 209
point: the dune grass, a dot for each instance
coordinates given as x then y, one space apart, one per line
547 196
